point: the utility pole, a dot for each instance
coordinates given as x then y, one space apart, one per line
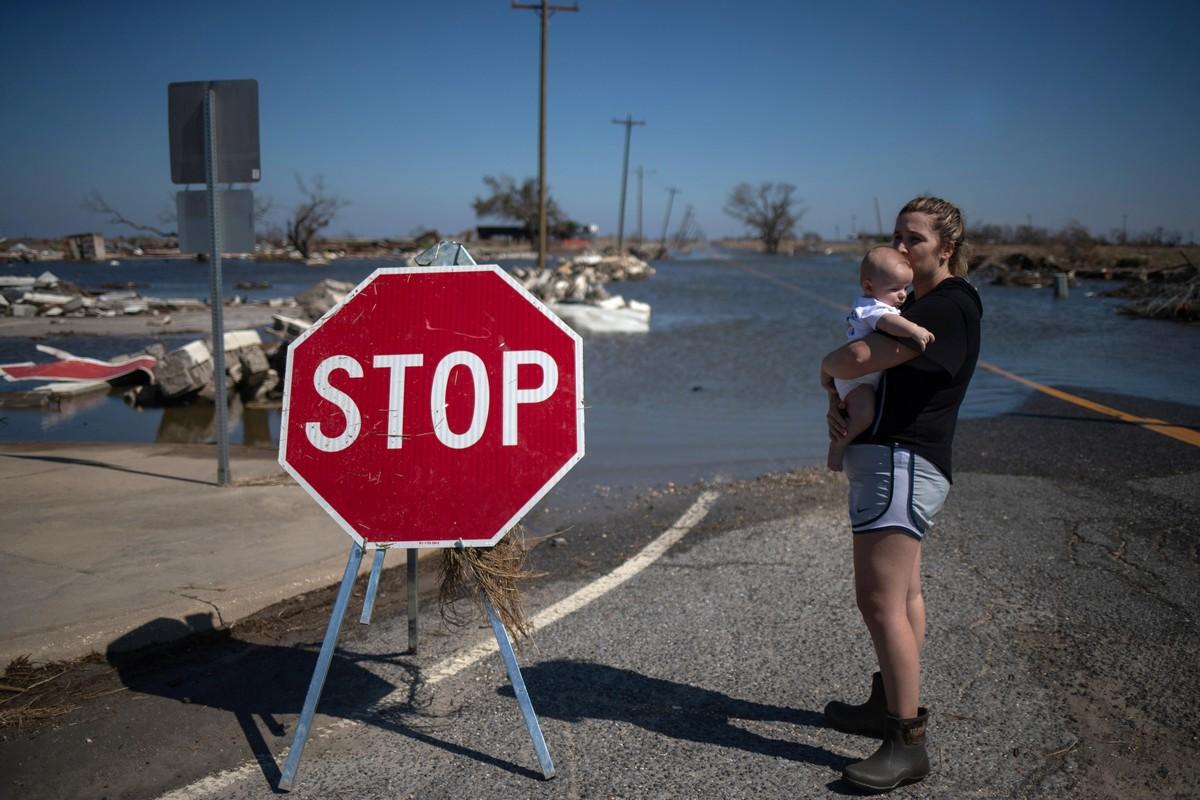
854 226
628 122
545 10
672 191
1124 228
878 219
683 235
641 174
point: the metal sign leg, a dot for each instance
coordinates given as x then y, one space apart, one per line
214 253
321 670
413 601
372 587
518 684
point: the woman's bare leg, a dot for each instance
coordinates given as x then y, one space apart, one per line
884 563
916 604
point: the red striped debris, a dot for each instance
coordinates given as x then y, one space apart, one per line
70 367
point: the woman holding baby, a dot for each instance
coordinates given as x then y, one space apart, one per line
899 471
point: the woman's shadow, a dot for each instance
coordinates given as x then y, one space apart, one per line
576 690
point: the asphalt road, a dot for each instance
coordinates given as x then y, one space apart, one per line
1062 659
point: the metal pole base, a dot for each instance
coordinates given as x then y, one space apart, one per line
322 669
518 684
372 587
414 599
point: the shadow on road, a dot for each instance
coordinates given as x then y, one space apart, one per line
87 462
249 680
575 690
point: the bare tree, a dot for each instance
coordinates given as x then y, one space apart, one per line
767 210
96 203
517 203
312 215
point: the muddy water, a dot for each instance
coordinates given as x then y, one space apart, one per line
724 385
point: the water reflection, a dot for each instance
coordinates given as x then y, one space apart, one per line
197 424
69 407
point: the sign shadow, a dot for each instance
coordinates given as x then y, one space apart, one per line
254 682
572 691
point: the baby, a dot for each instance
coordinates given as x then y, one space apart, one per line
885 275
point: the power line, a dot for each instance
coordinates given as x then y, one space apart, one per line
545 10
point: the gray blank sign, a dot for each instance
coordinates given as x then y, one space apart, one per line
237 221
237 131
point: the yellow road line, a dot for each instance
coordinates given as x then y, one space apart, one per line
1185 435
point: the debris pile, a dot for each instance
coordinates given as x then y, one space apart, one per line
576 290
157 377
317 300
1172 293
582 279
187 373
1020 269
47 295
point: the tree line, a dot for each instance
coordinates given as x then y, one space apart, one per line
770 212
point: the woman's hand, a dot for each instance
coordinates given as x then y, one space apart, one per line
827 383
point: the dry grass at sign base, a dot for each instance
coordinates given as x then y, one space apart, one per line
30 692
494 571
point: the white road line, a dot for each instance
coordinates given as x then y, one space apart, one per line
218 783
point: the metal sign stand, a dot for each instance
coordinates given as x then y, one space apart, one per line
325 658
518 684
444 253
218 308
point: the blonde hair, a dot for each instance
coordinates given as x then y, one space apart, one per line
948 224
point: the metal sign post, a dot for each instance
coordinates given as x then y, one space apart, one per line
213 127
218 302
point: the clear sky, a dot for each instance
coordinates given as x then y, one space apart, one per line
1013 110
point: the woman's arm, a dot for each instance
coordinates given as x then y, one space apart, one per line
873 353
852 360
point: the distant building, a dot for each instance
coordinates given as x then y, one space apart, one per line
84 247
485 232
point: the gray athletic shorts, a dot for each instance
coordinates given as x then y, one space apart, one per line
892 487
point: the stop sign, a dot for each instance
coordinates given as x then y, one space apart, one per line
432 406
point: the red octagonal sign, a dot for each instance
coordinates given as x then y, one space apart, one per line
432 406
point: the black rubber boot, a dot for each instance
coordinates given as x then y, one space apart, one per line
867 719
899 760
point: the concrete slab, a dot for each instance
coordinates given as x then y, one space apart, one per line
97 539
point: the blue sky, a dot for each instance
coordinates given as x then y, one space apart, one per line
1042 111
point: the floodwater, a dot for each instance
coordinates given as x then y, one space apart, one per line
724 385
